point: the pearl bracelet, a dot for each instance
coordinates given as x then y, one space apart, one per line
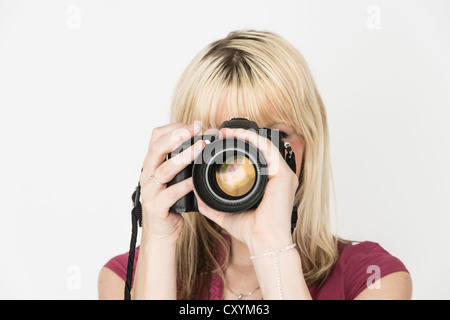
277 264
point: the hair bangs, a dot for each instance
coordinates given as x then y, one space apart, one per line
259 100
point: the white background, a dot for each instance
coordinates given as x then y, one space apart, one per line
82 84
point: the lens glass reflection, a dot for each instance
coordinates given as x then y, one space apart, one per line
236 176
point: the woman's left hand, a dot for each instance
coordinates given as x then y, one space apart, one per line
271 220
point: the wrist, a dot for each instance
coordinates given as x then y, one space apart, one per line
268 243
149 240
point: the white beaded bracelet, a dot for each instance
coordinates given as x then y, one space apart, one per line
273 253
277 264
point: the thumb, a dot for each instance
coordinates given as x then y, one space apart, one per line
216 216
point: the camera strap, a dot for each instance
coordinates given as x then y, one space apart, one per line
290 157
136 220
290 160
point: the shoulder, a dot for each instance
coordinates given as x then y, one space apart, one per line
112 276
360 268
364 265
370 255
118 264
395 286
110 285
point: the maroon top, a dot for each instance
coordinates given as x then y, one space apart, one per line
358 266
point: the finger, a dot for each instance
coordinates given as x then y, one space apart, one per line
271 153
216 216
172 194
160 131
167 142
170 168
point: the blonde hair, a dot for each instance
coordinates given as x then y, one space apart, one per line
262 76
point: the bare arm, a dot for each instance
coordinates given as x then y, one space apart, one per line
110 285
268 227
155 276
280 276
395 286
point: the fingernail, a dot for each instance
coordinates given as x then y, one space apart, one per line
224 132
198 146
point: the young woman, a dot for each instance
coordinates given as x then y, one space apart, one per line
251 255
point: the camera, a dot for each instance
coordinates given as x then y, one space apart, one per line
230 174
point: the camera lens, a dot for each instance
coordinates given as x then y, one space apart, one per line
236 176
229 175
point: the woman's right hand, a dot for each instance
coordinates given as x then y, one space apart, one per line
157 222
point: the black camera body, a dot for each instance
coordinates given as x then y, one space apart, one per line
229 175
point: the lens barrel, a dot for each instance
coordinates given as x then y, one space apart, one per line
230 175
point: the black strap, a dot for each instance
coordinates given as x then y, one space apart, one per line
290 159
136 218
